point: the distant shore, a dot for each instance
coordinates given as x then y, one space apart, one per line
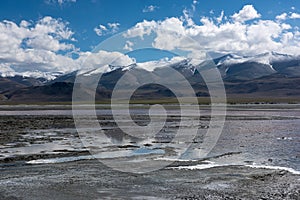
201 101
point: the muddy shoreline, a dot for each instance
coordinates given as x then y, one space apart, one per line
89 179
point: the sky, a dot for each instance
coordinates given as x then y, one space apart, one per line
40 37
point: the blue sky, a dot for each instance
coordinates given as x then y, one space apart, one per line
77 26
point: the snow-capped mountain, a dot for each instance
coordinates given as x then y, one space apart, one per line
271 61
248 67
48 76
264 74
149 66
231 66
265 58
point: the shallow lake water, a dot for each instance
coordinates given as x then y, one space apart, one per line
254 135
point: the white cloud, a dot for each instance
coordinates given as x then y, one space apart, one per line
141 29
46 46
46 34
282 17
248 12
285 16
152 65
110 28
25 23
195 2
295 16
102 58
128 45
187 17
47 42
287 38
42 47
100 30
60 2
220 18
34 46
114 27
227 36
150 8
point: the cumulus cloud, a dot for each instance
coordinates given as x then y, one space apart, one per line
43 47
285 16
128 45
47 35
248 12
46 46
187 17
295 16
99 59
220 18
141 29
114 27
100 30
222 36
150 8
60 2
64 1
282 17
110 28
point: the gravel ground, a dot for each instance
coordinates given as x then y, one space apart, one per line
89 179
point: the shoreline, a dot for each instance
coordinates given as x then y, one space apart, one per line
166 101
89 179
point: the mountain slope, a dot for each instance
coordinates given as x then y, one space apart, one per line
265 75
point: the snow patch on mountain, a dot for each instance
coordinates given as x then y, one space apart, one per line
104 69
178 62
265 58
152 65
33 74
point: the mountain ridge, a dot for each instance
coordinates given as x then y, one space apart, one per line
251 77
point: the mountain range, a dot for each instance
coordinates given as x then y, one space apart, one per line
270 75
